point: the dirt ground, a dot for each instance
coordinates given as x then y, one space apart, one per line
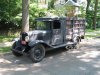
82 61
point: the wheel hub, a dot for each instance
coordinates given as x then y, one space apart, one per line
37 53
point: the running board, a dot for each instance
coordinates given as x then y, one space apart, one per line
70 44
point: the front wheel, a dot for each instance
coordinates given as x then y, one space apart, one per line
37 53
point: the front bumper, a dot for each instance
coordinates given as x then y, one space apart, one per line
18 47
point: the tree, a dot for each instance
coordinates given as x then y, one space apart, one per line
10 14
95 14
92 13
51 4
25 15
88 4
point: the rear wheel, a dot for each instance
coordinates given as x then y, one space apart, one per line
37 53
76 40
82 37
14 52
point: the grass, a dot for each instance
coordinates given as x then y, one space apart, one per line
92 33
6 38
5 49
90 30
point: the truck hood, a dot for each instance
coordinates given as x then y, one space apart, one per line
36 32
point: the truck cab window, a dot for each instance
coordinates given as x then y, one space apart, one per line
56 24
43 25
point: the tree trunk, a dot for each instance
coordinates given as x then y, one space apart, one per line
25 15
88 4
95 14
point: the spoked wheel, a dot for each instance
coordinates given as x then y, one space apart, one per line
14 52
37 53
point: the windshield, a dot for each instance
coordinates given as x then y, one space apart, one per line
42 25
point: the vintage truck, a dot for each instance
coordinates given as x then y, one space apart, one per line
50 33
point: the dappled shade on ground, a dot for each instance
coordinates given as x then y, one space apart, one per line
82 61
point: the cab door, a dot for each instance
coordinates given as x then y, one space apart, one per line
57 38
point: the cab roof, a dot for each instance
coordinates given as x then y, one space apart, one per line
48 19
57 18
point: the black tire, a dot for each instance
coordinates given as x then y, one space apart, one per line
82 37
37 53
76 40
68 47
76 46
15 53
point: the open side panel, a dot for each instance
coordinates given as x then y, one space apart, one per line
79 27
75 27
69 29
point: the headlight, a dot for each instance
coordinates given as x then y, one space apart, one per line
27 38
